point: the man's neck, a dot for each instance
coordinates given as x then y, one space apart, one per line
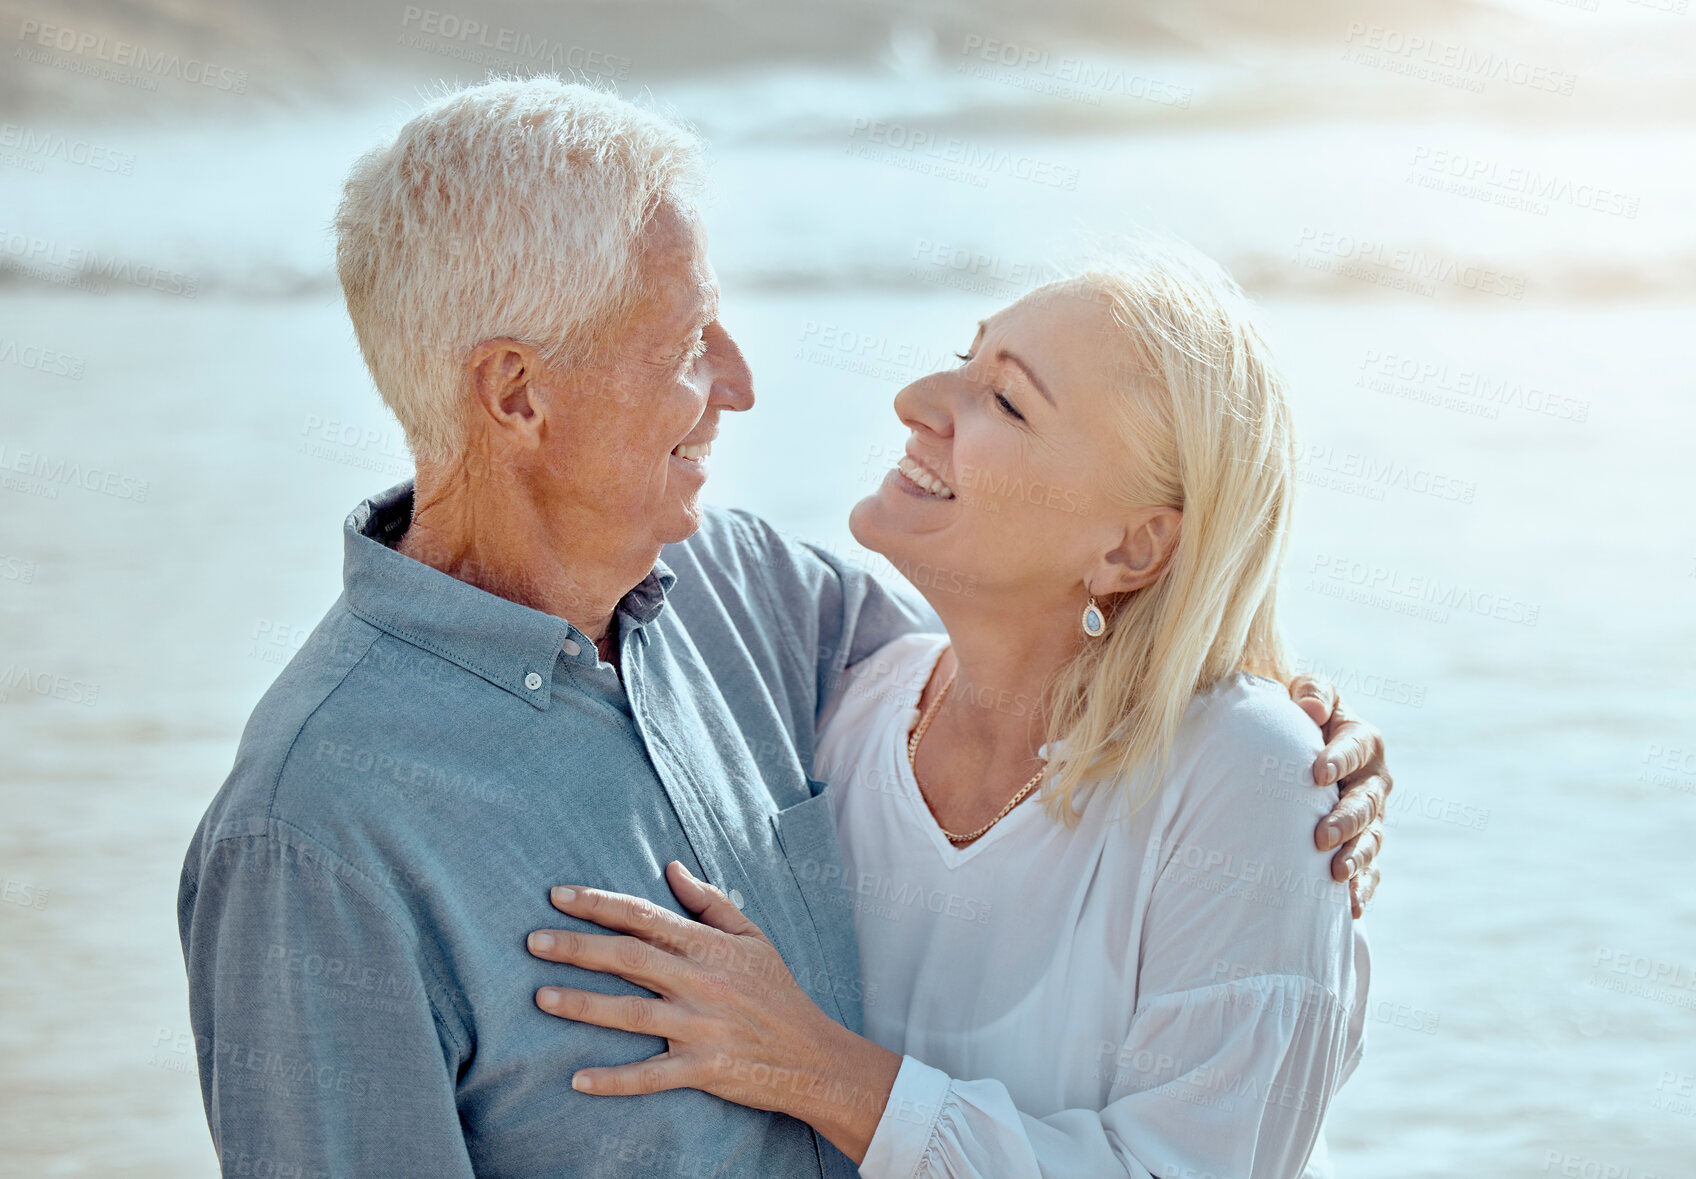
498 539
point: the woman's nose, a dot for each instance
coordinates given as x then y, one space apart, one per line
927 404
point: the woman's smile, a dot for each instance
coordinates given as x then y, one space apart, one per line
916 478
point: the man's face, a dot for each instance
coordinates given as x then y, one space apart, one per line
636 427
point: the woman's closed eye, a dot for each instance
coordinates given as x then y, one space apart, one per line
1007 406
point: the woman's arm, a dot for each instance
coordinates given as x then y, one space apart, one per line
1229 1078
738 1026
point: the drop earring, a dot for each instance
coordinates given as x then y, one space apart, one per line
1095 623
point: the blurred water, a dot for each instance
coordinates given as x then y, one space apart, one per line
1547 792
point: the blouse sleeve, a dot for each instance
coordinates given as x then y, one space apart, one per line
1247 1017
1229 1080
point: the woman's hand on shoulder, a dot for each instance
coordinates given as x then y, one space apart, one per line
1353 761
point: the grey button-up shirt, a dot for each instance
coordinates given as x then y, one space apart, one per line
354 905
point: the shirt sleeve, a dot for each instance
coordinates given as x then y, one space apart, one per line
860 614
321 1053
1228 1082
835 602
1247 1020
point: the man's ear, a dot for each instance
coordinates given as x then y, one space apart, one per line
1141 554
505 384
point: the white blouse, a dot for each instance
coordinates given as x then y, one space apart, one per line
1176 993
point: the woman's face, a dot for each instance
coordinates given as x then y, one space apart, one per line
1003 485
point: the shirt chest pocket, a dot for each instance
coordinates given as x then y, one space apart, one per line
807 834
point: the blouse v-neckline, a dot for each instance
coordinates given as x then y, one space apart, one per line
952 856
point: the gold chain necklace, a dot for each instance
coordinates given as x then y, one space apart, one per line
918 735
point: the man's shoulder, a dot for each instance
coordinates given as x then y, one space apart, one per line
739 564
306 689
735 539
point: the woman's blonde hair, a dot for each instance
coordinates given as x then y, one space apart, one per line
1204 417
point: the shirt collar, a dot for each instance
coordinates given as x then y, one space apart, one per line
510 645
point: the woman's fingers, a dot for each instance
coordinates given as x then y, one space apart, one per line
653 1075
707 902
1315 696
662 944
729 1009
628 1013
637 916
628 957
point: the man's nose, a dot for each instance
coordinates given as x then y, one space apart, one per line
733 383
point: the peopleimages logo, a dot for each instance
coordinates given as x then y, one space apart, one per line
28 253
48 685
1669 766
1466 390
1064 75
977 272
868 353
42 360
1516 186
449 34
1417 269
1350 682
952 157
157 63
1418 595
1352 470
56 472
1438 59
51 145
1658 971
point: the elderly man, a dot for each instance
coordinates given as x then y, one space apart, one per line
514 689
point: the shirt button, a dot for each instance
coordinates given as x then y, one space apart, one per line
736 898
532 681
571 647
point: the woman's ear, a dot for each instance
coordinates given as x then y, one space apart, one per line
1141 554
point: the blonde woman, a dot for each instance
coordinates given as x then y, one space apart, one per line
1095 936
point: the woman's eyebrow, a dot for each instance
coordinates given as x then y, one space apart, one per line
1029 375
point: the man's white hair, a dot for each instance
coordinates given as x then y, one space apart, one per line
506 209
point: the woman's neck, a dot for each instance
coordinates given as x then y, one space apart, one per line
983 739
